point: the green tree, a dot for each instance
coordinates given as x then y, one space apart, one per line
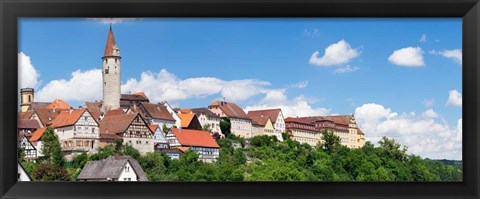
392 148
21 154
51 149
207 127
165 129
103 153
118 145
225 126
131 151
331 142
154 166
48 172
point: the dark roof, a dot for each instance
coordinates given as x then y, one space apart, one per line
157 111
35 105
115 112
95 108
134 97
28 124
298 120
230 109
110 167
205 111
272 113
339 119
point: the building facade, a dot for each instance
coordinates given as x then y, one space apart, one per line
77 132
199 141
207 117
131 128
240 123
123 168
271 121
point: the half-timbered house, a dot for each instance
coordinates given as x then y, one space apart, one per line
200 141
77 131
131 128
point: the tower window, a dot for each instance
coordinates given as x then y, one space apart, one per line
106 61
29 98
115 60
106 71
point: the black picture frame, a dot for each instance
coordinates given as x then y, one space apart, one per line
11 10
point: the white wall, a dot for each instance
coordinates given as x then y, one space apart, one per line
128 173
23 174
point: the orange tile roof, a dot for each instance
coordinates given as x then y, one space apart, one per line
186 118
37 135
230 109
110 44
58 103
188 137
272 113
68 118
153 127
183 149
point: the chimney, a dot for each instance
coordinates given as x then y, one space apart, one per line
71 110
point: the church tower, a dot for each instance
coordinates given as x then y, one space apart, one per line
111 74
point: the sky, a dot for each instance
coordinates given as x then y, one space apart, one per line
400 77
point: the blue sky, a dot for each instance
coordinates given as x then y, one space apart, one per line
383 70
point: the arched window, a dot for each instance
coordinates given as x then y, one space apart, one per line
29 98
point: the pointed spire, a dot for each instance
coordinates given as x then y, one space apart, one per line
110 43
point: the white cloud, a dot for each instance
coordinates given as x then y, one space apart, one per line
430 113
335 54
455 54
82 86
301 84
428 102
27 74
166 86
311 33
409 57
426 135
113 20
454 98
423 38
346 69
299 106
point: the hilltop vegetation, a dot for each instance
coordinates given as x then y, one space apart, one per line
265 158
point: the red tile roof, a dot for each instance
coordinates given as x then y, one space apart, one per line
110 44
259 118
188 137
25 115
68 117
37 135
339 119
115 112
116 123
58 103
298 120
272 113
157 111
230 109
28 124
47 115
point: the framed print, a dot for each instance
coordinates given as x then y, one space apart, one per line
177 99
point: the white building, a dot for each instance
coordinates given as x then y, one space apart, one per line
241 124
178 120
276 118
22 175
122 168
77 131
207 117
